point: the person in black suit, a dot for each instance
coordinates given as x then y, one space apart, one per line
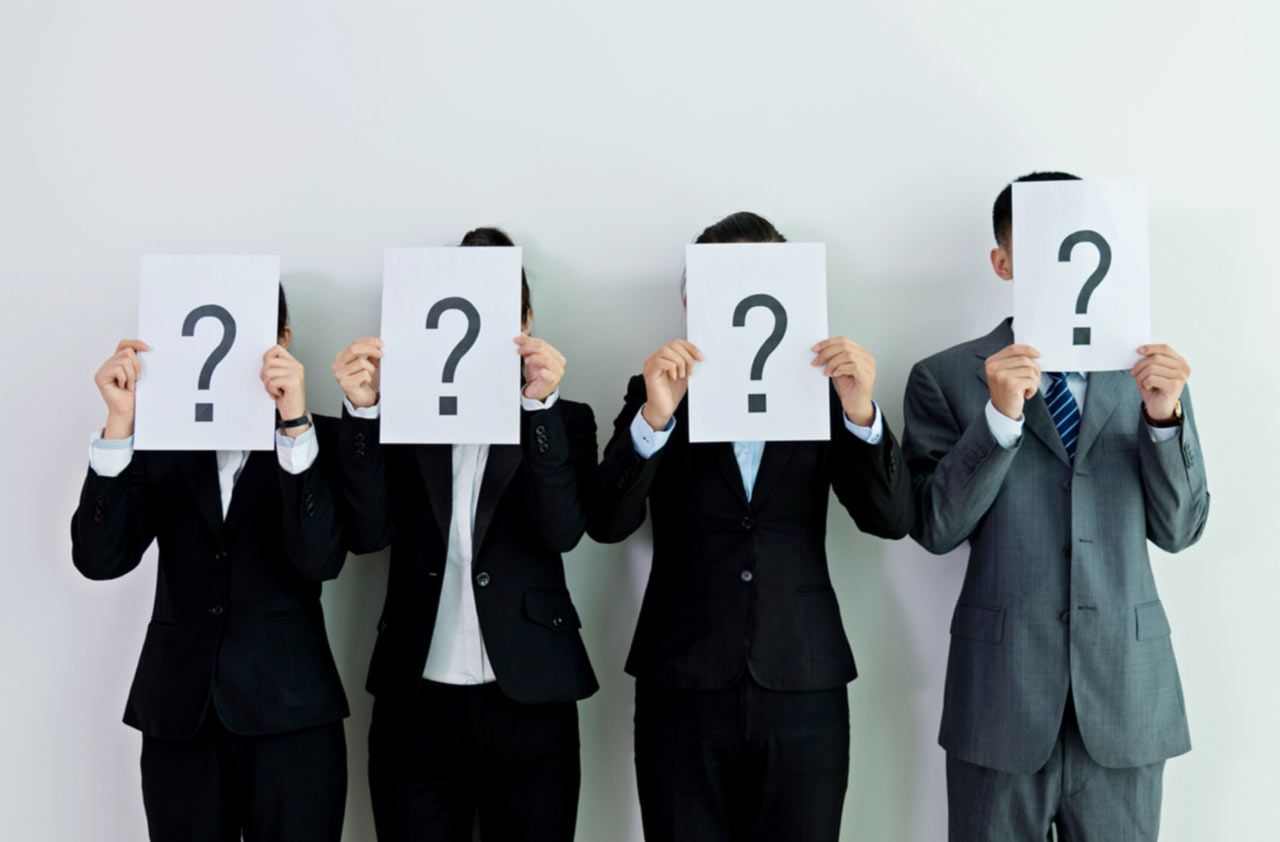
478 664
236 692
740 657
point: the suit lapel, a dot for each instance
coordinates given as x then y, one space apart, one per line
501 466
772 465
435 461
727 464
1040 423
256 478
1101 398
201 471
1035 411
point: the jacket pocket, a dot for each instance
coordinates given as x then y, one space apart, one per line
978 622
1151 621
552 609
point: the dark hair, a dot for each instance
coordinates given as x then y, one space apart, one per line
741 227
498 237
1002 210
282 313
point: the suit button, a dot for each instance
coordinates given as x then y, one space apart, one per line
1066 616
99 500
542 447
747 575
359 438
1066 484
219 556
747 523
216 610
482 579
97 516
540 430
557 622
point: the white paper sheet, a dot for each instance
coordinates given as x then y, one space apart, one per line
1081 273
751 284
189 307
432 300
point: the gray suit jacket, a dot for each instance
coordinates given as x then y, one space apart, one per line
1058 592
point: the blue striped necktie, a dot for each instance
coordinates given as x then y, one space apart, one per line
1064 409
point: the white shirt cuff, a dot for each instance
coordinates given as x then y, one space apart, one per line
1006 431
1161 434
872 434
369 413
296 455
530 405
109 457
646 440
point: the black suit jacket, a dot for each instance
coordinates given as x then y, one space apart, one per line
237 618
743 585
532 508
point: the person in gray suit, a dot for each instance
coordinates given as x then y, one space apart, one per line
1062 696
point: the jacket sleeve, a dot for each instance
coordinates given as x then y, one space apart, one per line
1174 484
624 478
111 529
312 528
871 480
956 472
560 453
366 498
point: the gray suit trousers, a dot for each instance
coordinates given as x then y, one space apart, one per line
1071 795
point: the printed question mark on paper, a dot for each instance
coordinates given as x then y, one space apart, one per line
1083 335
204 411
449 404
756 402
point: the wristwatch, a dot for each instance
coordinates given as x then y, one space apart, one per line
300 421
1174 421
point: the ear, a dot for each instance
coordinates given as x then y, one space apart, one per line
527 324
1002 262
286 339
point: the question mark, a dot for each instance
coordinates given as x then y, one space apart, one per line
204 411
449 404
756 402
1083 335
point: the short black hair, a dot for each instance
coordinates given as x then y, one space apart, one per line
741 227
282 313
1002 210
498 237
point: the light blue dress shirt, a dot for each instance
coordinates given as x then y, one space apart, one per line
1008 432
648 441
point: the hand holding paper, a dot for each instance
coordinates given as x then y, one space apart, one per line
852 370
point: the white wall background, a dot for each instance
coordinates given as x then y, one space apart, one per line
604 137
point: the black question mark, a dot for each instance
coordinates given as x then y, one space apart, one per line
449 404
204 411
756 402
1083 335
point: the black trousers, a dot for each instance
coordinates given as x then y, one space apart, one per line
462 750
218 785
745 763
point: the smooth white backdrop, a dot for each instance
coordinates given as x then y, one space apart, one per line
604 137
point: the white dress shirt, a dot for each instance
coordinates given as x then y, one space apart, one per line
748 454
109 457
1007 431
457 654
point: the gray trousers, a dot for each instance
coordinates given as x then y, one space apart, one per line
1072 796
